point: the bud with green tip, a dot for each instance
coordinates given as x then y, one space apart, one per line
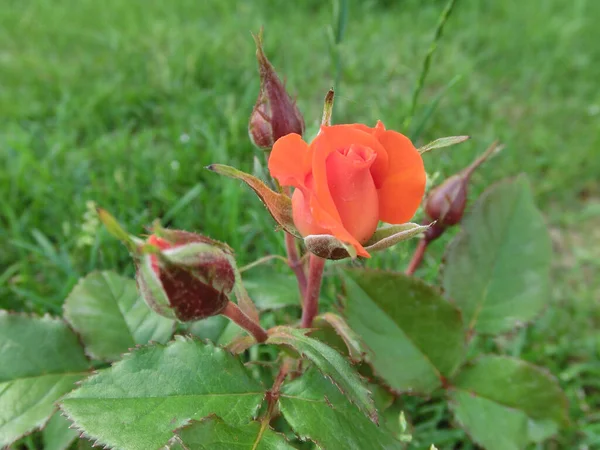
185 276
275 113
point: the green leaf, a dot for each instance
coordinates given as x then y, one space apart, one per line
352 341
330 363
231 332
497 267
540 430
414 337
57 435
490 424
501 402
140 400
40 360
220 330
271 290
84 444
211 433
443 142
111 317
210 328
316 410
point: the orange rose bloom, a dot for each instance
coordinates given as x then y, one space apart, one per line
348 179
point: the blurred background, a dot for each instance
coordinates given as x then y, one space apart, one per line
121 104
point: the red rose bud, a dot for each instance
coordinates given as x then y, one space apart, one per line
275 114
446 203
185 276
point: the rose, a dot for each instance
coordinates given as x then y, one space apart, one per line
348 179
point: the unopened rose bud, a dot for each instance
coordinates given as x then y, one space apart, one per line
275 113
446 203
185 276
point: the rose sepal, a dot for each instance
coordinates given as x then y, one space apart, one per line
279 205
443 142
329 247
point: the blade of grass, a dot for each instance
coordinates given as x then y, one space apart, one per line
187 198
427 61
417 130
336 35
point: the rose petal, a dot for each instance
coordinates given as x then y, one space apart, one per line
322 206
303 217
290 160
353 191
403 188
341 136
335 227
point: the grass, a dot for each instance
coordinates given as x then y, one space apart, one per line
123 103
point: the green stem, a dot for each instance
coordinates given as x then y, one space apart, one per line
313 290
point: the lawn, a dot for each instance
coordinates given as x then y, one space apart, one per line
123 103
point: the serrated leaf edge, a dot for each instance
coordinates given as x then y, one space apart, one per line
90 354
443 378
177 439
460 236
128 355
47 318
543 371
373 416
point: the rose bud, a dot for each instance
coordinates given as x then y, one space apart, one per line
348 179
446 203
185 276
275 114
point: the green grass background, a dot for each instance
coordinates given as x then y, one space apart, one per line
123 102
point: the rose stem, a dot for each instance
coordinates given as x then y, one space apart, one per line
294 259
311 300
235 314
417 257
310 306
295 263
272 396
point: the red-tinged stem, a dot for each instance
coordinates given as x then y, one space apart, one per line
417 257
273 393
495 147
294 260
235 314
295 263
313 289
272 396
